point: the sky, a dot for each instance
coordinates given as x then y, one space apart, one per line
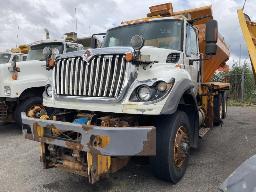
27 19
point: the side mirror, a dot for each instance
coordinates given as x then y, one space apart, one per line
50 55
211 37
94 43
14 67
137 42
14 59
96 40
47 52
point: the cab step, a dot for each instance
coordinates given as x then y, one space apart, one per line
203 132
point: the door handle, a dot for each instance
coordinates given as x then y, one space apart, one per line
191 61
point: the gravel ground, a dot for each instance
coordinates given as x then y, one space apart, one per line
221 151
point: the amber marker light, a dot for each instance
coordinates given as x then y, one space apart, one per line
51 63
15 76
178 66
128 56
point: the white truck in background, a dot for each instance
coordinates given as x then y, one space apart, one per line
7 57
23 82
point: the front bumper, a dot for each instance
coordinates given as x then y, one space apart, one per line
122 141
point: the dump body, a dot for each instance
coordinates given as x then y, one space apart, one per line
211 64
248 28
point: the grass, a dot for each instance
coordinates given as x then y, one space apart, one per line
238 103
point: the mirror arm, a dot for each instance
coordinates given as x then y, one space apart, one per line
191 61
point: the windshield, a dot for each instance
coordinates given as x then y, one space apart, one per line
162 34
4 58
36 52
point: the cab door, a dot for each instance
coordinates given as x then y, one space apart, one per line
192 54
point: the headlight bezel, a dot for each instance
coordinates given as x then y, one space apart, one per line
49 90
156 94
146 88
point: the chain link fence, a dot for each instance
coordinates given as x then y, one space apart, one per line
242 81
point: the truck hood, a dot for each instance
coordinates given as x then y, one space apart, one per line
156 54
26 67
19 63
32 74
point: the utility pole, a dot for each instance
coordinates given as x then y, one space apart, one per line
243 80
240 55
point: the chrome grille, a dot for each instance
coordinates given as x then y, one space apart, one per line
102 76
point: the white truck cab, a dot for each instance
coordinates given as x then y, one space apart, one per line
23 77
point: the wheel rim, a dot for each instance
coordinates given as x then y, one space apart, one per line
180 146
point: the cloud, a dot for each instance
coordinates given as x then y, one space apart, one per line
95 16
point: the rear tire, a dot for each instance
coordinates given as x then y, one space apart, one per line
218 109
224 105
171 160
24 106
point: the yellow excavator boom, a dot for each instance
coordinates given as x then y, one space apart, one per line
248 28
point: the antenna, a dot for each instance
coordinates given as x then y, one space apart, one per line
75 22
47 34
244 4
17 36
76 19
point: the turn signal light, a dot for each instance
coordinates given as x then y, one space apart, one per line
15 76
128 57
51 63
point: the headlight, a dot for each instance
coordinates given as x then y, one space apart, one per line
161 86
144 93
158 90
7 91
49 90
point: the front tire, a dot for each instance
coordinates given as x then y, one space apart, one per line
24 106
172 147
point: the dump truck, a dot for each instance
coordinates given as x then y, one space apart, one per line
248 28
145 92
23 77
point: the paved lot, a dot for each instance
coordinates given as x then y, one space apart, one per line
221 151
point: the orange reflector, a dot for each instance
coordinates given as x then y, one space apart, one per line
51 63
178 66
128 56
15 76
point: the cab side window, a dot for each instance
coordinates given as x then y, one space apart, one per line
24 58
191 41
71 48
17 58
